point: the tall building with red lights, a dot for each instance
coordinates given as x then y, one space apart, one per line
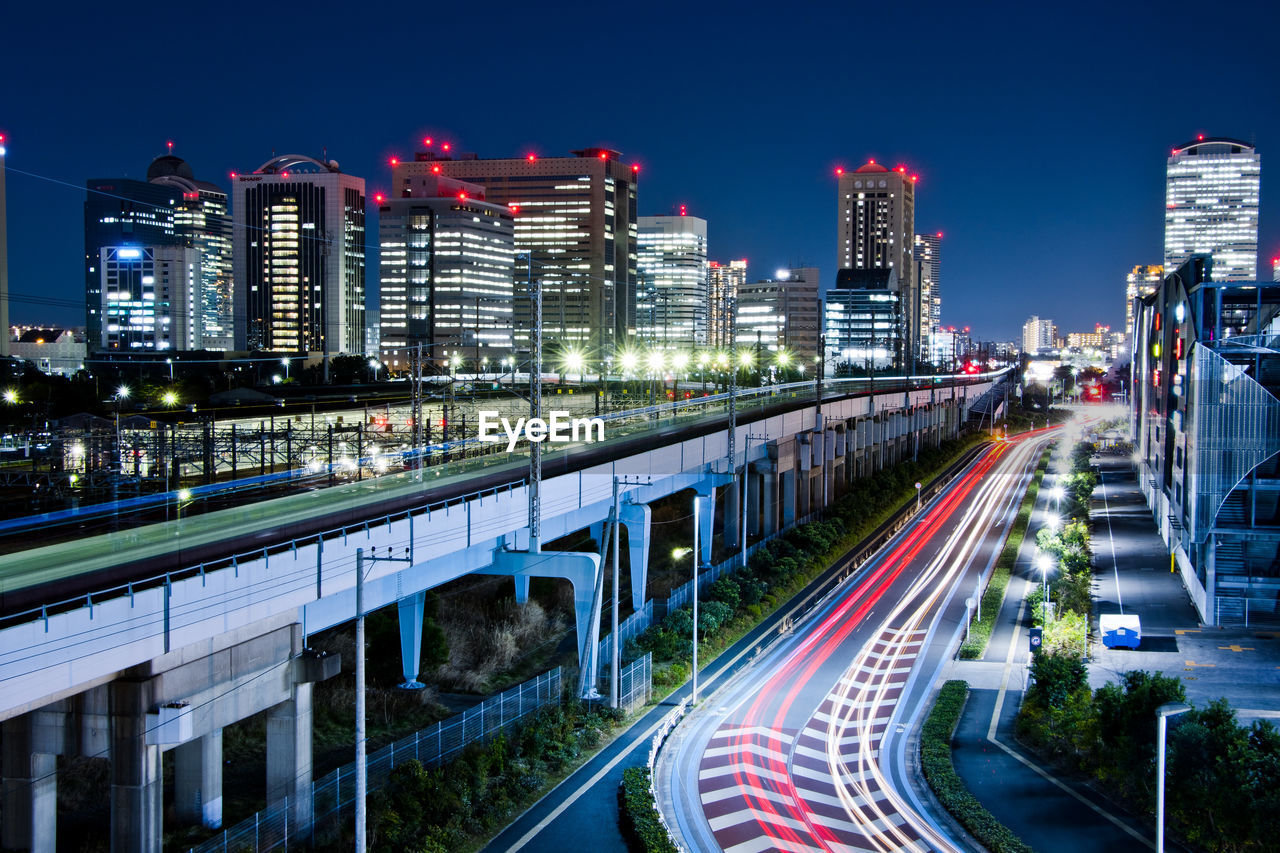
446 265
876 227
576 225
1211 206
4 259
671 300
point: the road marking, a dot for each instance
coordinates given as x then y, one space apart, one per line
1186 630
995 721
1189 664
1237 648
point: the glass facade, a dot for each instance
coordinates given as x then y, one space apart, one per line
447 277
671 300
148 297
723 283
1211 206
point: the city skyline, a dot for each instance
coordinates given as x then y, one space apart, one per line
1045 110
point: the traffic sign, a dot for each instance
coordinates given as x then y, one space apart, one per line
1037 639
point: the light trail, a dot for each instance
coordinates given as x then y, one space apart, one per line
778 799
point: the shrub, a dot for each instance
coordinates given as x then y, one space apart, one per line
935 760
639 814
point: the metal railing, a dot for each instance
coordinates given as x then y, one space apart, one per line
1244 612
635 685
655 746
275 827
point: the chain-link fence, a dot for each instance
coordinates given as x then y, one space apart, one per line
628 629
275 828
635 687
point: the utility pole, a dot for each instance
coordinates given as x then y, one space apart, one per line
362 765
535 411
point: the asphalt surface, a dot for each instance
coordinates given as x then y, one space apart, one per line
752 770
584 808
1058 815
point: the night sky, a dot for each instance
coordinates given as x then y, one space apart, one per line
1040 131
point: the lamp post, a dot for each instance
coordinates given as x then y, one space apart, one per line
285 362
696 556
1163 713
1043 563
918 485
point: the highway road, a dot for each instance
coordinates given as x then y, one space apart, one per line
807 750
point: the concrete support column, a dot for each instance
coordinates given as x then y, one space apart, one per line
1210 579
769 499
597 532
197 780
753 484
636 519
29 802
788 483
137 818
522 589
289 756
706 519
410 610
733 512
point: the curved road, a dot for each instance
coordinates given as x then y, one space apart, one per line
807 749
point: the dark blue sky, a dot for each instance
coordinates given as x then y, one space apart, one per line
1040 131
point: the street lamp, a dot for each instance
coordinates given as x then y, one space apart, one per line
170 399
1163 713
1043 563
11 396
285 362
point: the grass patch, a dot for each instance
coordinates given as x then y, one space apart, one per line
980 630
935 759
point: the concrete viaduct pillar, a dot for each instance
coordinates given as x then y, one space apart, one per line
31 744
289 754
197 780
137 824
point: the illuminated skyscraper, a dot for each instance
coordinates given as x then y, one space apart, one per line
575 217
151 298
784 312
299 258
1211 206
876 227
170 208
4 259
671 302
446 271
928 258
1144 280
723 283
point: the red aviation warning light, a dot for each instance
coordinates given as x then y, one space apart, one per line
1199 137
435 170
445 146
395 161
379 198
915 178
233 174
683 210
462 196
531 157
635 167
939 235
428 141
170 144
839 171
515 208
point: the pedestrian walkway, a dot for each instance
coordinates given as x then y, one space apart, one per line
1048 813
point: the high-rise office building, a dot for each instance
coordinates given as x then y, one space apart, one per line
151 298
4 258
1038 334
446 266
300 258
784 312
876 228
170 208
928 258
671 299
723 283
575 221
863 320
1143 280
1211 206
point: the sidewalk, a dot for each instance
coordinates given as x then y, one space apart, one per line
1050 814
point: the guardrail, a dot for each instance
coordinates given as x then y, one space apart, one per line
655 746
166 579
